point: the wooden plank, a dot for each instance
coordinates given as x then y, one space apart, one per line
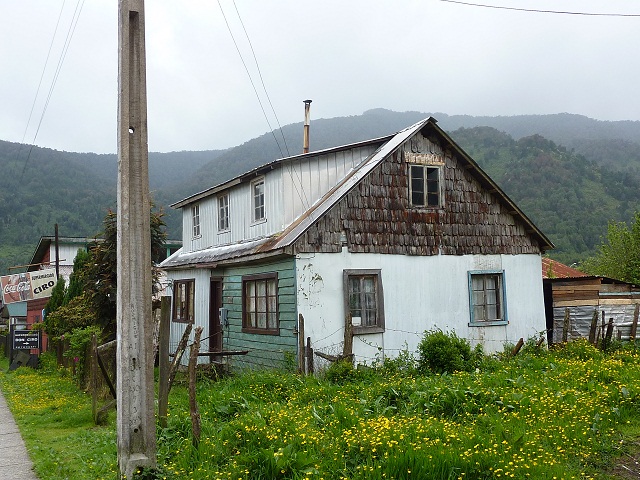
576 303
574 287
617 301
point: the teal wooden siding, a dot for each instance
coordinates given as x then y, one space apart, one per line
265 351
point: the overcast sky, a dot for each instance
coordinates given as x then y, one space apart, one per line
347 56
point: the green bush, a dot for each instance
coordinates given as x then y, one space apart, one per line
341 372
441 352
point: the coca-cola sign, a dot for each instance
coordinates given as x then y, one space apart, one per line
21 287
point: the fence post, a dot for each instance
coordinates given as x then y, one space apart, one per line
163 360
94 378
594 327
301 352
193 403
309 354
348 336
634 325
517 348
565 326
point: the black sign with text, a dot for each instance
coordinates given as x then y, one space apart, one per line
26 339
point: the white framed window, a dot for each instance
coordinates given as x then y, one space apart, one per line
364 300
425 186
195 220
487 299
223 213
257 200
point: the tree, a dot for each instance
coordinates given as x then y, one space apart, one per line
619 256
100 271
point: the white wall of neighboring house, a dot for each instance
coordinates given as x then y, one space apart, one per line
420 293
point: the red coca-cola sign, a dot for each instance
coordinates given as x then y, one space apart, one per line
27 286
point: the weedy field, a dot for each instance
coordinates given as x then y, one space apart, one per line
569 413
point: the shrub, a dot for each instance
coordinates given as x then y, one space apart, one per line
441 352
341 372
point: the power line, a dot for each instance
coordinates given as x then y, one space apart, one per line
261 79
304 200
46 62
63 55
251 79
533 10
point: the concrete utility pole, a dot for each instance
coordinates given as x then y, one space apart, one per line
135 392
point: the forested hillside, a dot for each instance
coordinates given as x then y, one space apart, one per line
74 190
570 174
571 199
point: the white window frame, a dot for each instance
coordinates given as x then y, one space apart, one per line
223 213
258 211
426 193
195 220
478 297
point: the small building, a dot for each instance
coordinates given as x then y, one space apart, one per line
572 293
393 236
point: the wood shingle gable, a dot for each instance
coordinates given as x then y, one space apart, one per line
369 210
376 216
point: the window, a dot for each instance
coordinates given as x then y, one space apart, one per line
364 300
257 200
424 184
183 300
223 213
260 303
487 298
195 215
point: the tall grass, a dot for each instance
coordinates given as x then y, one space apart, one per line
560 414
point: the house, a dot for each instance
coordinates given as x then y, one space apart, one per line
576 296
400 234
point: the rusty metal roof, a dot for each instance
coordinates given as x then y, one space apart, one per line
276 243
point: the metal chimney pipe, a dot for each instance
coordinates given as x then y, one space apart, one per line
305 139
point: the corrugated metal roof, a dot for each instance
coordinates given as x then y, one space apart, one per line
287 237
554 269
268 166
208 257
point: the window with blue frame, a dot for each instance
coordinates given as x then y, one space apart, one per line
487 297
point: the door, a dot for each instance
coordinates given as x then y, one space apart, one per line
215 328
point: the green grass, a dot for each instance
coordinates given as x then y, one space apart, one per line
562 414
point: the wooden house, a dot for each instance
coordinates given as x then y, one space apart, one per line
397 235
572 298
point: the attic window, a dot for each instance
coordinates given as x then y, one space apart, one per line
195 216
257 200
223 213
424 186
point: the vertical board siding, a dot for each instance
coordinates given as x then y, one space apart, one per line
306 180
377 217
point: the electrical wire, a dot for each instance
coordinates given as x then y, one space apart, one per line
255 59
46 62
290 167
533 10
63 55
251 80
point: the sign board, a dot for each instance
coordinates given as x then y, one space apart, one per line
28 286
26 339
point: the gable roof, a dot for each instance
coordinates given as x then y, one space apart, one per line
209 257
270 166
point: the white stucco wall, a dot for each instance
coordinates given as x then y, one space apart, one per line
420 293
